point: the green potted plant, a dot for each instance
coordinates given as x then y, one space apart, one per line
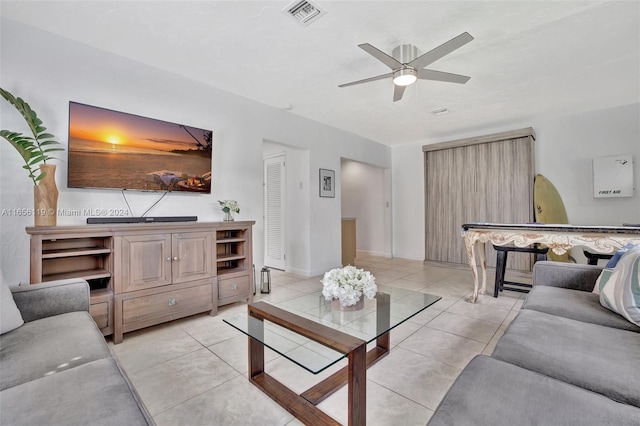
35 151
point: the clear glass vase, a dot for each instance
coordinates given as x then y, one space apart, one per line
228 216
336 305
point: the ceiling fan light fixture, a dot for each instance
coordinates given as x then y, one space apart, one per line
407 67
405 76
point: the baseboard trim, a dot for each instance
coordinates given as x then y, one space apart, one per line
296 271
365 253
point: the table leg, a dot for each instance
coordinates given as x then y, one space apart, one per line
328 386
256 349
303 406
483 264
357 387
470 248
383 321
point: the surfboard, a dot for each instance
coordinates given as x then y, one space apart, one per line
549 209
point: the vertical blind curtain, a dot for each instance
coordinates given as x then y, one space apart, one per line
483 179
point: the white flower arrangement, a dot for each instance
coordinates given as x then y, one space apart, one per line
348 284
229 206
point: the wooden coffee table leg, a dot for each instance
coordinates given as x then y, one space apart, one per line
383 321
355 374
328 386
256 349
357 386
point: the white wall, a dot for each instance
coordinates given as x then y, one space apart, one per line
363 198
408 201
49 71
564 149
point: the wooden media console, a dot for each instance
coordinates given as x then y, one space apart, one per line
146 274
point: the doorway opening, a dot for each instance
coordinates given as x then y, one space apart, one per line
366 198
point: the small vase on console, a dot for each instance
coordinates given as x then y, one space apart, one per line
45 197
229 207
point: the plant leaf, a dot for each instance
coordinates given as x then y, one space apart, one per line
30 148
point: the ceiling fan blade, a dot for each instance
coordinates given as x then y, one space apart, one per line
380 55
398 91
440 51
366 80
442 76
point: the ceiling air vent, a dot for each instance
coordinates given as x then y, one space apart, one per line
304 11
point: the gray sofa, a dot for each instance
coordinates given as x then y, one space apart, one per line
57 369
564 360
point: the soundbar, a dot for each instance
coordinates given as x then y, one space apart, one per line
150 219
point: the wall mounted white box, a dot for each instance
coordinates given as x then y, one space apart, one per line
613 176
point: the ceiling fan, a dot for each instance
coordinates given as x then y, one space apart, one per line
407 66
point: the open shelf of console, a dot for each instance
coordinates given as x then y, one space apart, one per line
231 250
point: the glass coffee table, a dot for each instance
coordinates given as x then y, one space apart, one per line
307 331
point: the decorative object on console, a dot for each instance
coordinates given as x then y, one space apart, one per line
35 150
349 285
229 206
327 183
45 197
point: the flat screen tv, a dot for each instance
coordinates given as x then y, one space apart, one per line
115 150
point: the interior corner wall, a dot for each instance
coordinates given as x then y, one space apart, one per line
64 70
564 149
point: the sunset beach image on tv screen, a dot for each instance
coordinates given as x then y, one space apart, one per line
111 149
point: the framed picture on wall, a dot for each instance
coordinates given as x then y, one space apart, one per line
327 183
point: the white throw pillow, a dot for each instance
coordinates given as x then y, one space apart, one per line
620 287
10 317
613 262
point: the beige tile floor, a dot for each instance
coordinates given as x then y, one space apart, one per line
193 371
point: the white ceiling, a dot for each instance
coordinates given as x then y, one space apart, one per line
529 59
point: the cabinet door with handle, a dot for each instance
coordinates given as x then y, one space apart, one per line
146 261
192 256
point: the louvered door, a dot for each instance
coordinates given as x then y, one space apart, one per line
274 208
